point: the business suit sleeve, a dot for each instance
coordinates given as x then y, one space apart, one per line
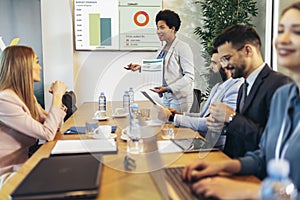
195 123
15 114
230 97
184 56
192 114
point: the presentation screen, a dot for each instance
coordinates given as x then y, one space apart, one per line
116 24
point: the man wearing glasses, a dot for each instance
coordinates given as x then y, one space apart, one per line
239 51
225 91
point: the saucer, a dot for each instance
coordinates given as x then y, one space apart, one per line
154 123
125 131
120 116
124 137
100 118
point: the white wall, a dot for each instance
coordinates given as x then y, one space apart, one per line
57 44
83 72
88 73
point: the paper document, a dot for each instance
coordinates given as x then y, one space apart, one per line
2 45
152 65
84 146
167 146
150 98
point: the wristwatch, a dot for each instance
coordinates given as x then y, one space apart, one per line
171 118
231 116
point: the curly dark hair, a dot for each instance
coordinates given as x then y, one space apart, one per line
170 17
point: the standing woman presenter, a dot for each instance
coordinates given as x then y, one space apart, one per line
178 70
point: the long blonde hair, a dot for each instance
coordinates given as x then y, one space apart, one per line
16 73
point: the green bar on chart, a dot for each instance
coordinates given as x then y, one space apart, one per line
105 31
94 29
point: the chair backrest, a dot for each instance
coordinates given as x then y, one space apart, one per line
69 100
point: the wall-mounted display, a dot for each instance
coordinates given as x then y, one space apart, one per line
116 24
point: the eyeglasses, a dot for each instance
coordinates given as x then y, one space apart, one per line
225 59
229 67
212 64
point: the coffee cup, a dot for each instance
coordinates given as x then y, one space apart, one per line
119 111
103 132
100 114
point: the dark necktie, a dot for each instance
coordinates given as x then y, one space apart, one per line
244 95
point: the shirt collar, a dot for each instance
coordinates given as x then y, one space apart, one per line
252 77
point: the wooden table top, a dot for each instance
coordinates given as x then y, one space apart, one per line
116 183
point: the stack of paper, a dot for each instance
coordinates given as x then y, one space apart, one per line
85 146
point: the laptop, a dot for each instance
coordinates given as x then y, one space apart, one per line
167 179
60 177
195 145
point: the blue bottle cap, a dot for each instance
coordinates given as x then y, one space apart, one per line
134 106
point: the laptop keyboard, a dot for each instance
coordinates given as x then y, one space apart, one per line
173 176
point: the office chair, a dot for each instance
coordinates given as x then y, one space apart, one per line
69 100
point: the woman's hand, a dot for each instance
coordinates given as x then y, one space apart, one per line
58 89
225 188
133 67
159 90
201 169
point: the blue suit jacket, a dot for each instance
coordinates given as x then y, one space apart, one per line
285 100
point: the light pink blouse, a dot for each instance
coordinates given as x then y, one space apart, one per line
19 131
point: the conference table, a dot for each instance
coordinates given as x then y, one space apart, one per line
116 182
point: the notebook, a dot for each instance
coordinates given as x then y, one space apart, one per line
63 147
72 176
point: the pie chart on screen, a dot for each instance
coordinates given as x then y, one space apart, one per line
141 18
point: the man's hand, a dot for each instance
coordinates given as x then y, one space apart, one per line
214 125
163 113
220 111
174 111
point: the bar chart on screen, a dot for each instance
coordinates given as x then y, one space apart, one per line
115 24
96 24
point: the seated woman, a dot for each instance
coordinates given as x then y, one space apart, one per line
22 119
281 136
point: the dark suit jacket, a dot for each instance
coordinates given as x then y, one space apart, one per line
245 130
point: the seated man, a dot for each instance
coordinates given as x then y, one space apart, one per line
225 92
242 55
